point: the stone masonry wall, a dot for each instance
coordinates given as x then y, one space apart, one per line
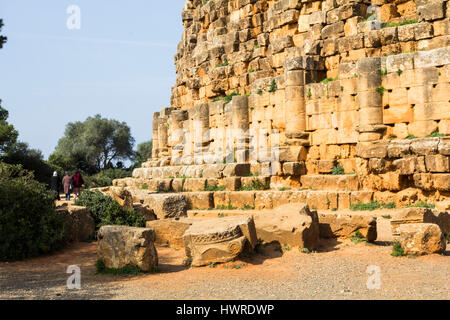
297 87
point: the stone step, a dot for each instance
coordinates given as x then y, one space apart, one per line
331 182
216 171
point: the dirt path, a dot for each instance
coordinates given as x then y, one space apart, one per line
337 271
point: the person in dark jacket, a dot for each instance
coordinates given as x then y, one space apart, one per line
55 185
77 182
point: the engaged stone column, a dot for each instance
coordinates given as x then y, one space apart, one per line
199 119
155 138
295 106
370 100
240 121
176 135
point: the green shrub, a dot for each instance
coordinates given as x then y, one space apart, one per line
29 224
338 170
397 250
436 134
273 86
374 205
255 185
106 211
422 204
358 237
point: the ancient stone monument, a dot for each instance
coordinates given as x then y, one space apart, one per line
330 103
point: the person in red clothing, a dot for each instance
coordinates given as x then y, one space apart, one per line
77 182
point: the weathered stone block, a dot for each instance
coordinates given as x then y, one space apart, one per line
219 240
121 246
293 224
421 239
345 225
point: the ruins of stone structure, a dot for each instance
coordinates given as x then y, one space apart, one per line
329 103
300 89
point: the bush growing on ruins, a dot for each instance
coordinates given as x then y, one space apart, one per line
326 80
397 250
411 137
273 86
214 187
436 134
358 237
338 170
373 205
381 90
422 204
106 211
29 224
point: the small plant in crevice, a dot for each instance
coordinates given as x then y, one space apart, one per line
422 204
338 170
273 86
381 90
411 137
436 134
358 237
397 250
187 262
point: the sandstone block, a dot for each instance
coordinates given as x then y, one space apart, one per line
345 225
170 231
80 226
422 239
236 170
293 224
219 240
121 246
167 205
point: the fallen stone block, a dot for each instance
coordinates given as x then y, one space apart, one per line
145 211
420 215
80 226
170 231
167 205
292 224
219 240
122 246
345 225
421 239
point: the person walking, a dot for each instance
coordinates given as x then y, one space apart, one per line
67 182
55 185
77 182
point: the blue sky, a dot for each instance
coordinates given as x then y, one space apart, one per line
119 64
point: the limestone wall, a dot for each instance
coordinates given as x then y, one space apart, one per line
288 81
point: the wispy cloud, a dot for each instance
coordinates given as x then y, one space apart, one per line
95 40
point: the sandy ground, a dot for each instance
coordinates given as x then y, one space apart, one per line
337 271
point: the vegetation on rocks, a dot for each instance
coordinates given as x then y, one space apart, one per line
106 211
374 205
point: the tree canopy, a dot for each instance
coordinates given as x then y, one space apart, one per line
143 153
8 135
93 145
